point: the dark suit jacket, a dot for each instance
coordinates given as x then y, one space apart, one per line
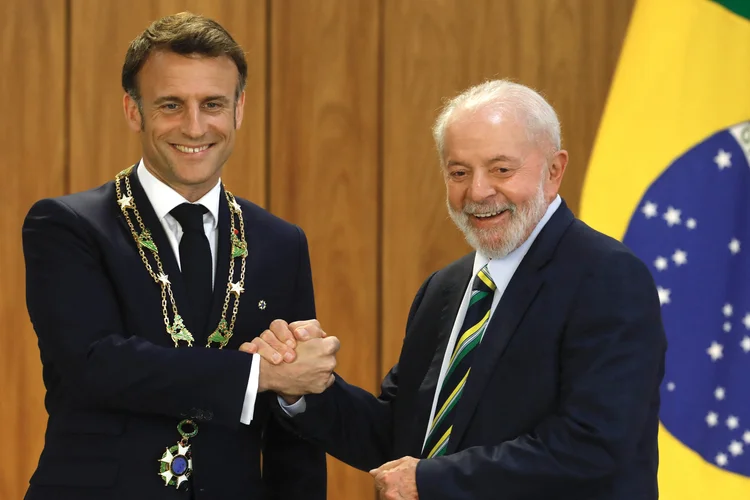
117 386
563 395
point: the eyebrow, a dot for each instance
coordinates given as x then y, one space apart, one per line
174 98
503 159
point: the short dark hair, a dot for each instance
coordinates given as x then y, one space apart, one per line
184 33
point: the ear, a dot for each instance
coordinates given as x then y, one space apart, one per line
555 173
132 113
239 110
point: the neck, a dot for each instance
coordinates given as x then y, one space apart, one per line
191 192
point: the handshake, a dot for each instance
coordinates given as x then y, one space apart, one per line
295 359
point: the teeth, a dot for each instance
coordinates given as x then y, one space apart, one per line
482 216
185 149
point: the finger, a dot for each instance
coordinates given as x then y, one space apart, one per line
384 467
303 323
330 381
332 345
267 352
283 333
249 348
308 331
283 350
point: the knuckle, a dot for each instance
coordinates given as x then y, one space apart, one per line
278 324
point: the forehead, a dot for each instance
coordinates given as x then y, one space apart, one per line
485 132
184 75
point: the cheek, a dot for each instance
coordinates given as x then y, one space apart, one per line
456 195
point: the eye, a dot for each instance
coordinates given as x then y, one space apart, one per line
457 174
170 106
213 105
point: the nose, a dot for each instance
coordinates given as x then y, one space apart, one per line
193 125
481 187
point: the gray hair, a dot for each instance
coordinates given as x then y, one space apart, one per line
540 118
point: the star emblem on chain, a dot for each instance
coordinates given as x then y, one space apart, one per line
236 288
236 206
125 202
164 278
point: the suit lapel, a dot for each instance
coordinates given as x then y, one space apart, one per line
166 254
517 298
223 251
451 301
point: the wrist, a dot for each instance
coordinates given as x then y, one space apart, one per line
290 400
265 378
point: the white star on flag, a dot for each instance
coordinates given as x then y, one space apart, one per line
746 321
745 344
734 246
679 257
727 310
649 210
691 223
719 393
664 295
735 448
670 386
712 419
661 263
733 422
672 216
723 159
727 326
715 351
746 437
721 459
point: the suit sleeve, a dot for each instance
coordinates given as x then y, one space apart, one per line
75 313
293 467
612 357
349 422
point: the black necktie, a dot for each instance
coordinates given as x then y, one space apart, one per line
195 262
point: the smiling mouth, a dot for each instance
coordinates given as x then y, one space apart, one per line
488 215
191 150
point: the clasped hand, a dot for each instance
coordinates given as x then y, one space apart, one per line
296 358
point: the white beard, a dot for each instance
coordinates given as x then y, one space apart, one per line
496 243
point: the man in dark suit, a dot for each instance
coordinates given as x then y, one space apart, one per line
141 291
530 368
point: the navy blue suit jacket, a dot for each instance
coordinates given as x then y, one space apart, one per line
563 397
117 386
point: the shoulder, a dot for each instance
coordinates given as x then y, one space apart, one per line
602 259
91 204
272 227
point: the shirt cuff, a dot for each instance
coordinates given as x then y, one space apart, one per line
248 407
294 409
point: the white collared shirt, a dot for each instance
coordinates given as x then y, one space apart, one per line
163 199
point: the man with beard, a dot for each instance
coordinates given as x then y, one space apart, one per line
531 367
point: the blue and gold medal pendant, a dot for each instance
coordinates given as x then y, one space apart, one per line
176 465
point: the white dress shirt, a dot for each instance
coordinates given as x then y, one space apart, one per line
163 199
501 270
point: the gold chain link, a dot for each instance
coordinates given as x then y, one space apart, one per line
175 329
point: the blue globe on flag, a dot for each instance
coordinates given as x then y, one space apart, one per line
692 228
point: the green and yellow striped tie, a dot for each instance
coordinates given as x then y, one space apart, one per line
459 367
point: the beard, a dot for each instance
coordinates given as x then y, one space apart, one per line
497 242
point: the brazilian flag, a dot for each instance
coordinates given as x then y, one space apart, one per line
670 177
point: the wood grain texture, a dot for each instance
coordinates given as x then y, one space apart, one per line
32 152
324 173
101 144
566 49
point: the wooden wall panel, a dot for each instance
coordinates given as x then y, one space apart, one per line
101 144
32 152
433 49
324 173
